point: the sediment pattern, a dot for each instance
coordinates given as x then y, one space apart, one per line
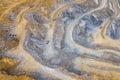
60 39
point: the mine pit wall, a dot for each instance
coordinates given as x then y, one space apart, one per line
49 45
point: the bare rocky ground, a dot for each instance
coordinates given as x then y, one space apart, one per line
70 40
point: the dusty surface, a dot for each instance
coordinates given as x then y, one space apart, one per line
59 39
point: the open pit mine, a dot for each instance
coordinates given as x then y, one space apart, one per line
59 40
